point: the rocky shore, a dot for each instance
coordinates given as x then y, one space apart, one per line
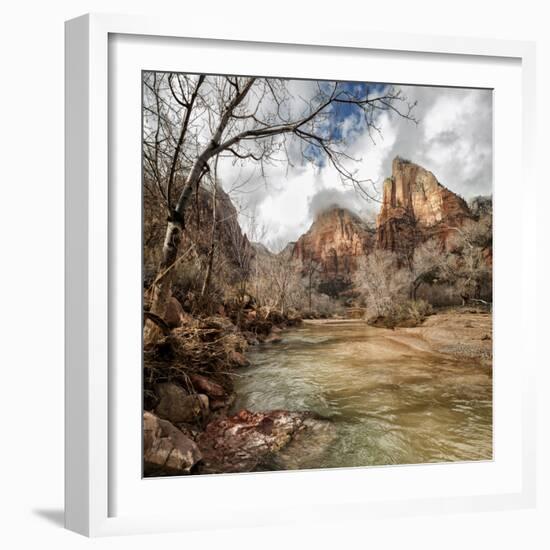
189 426
188 394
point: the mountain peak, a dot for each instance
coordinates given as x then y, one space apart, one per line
415 207
336 210
414 200
336 239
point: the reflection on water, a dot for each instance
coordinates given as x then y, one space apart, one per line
389 403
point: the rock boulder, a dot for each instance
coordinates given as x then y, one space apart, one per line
175 315
207 386
176 405
250 441
166 450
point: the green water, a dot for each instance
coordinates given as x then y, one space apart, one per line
389 403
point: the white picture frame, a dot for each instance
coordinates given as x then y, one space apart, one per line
104 494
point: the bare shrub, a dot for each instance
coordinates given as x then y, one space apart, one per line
380 281
410 313
473 244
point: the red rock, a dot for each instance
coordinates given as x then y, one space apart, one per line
238 359
415 207
242 442
232 241
177 406
207 386
175 315
222 403
335 241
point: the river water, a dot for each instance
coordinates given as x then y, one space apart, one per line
389 403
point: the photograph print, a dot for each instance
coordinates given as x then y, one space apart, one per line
317 274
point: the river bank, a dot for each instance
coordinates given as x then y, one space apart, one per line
340 393
188 390
462 333
392 396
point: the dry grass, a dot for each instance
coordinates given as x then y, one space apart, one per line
204 346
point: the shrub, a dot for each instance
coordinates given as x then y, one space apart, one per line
402 314
417 310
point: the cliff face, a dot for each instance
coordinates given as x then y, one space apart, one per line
416 206
232 242
335 241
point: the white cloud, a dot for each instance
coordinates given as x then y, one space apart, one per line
453 139
286 212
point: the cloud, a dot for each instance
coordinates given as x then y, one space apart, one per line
453 139
326 198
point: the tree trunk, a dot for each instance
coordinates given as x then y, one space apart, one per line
161 291
208 276
241 298
414 288
309 289
162 287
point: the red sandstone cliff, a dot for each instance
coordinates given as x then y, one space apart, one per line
335 241
416 206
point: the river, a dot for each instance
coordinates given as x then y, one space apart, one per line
389 403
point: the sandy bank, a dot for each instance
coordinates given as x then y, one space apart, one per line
461 333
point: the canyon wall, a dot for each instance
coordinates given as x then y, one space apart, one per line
415 207
335 241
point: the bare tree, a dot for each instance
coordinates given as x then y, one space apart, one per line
311 269
285 281
472 243
256 232
213 229
431 264
382 282
242 254
212 248
463 261
190 120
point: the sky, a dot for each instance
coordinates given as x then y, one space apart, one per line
452 138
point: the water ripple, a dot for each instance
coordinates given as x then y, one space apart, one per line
390 405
